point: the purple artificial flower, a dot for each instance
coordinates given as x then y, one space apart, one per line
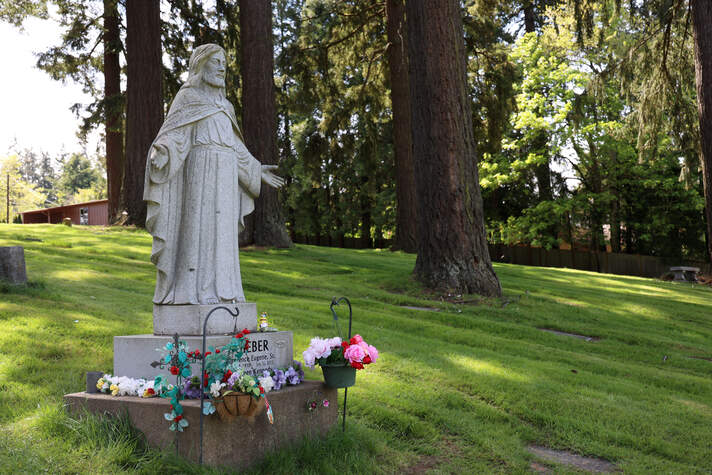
191 388
279 379
292 376
234 377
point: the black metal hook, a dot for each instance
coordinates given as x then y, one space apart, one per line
234 314
334 302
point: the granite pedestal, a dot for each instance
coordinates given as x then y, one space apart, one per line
189 319
235 445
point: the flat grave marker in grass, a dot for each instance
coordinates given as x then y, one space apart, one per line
572 335
422 309
589 464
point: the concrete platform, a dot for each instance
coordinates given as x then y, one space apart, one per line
133 354
189 319
236 445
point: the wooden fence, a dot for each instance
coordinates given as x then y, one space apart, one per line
604 262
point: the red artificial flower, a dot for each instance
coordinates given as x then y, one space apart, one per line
345 344
174 370
247 344
356 364
227 376
353 340
207 353
262 390
217 351
366 359
239 335
197 352
178 418
246 331
150 391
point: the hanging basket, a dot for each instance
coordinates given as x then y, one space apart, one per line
234 405
339 376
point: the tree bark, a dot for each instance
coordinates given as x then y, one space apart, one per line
259 115
452 247
366 242
406 216
144 99
702 32
113 108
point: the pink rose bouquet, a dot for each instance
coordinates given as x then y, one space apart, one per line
355 352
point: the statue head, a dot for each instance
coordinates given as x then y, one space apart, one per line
207 64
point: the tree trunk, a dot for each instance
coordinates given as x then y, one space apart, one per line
144 99
366 242
529 17
702 32
452 247
615 205
113 108
406 216
259 115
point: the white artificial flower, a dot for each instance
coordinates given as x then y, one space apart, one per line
267 383
215 388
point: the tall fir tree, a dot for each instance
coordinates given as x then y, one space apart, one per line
259 115
406 237
144 100
452 246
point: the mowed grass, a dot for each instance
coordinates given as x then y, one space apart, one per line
462 390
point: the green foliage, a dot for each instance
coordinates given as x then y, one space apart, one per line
81 178
584 109
335 129
585 114
16 11
24 196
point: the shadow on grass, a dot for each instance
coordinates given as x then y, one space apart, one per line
109 444
32 288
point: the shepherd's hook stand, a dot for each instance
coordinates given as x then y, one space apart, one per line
234 314
334 302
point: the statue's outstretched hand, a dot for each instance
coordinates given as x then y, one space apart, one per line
159 156
270 178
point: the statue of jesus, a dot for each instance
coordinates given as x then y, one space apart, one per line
201 181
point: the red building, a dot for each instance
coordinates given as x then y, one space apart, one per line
92 212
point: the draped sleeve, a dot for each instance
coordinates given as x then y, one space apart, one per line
163 193
250 174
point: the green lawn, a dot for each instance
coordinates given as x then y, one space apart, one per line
465 389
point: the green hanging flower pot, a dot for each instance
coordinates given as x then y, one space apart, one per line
339 376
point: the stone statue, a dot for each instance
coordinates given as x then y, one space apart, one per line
201 181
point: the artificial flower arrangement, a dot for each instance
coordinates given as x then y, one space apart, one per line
338 359
124 386
223 377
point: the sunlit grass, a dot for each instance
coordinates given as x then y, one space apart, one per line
464 389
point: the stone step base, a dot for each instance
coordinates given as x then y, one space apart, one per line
133 354
236 445
189 319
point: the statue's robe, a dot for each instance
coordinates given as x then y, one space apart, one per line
197 202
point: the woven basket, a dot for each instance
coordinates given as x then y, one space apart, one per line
234 405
